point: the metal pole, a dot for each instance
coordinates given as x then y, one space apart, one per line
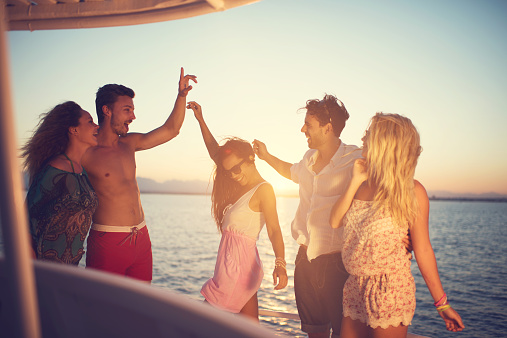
13 211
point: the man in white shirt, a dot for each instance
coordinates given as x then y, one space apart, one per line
323 175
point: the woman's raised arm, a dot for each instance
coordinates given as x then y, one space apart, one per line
209 139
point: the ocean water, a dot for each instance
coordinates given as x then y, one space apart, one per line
469 240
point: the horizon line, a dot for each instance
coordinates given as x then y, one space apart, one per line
431 198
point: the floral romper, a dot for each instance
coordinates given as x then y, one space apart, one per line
380 290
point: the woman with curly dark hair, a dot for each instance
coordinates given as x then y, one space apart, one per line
242 202
60 200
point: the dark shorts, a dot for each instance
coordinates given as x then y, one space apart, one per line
319 291
122 253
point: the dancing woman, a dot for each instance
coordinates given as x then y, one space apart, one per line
242 202
382 203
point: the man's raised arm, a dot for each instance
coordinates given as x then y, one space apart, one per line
282 167
171 128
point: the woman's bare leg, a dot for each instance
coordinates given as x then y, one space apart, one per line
354 329
251 308
357 329
391 332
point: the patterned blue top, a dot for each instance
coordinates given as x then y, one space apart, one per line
60 207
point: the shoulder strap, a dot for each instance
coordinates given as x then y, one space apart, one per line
64 154
254 189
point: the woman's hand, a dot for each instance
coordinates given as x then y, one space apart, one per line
360 171
452 320
280 274
196 108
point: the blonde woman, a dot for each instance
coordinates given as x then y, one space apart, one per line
382 203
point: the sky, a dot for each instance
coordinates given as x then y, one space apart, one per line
440 63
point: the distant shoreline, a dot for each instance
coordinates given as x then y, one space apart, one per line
468 199
201 193
431 198
198 187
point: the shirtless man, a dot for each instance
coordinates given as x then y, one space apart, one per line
119 241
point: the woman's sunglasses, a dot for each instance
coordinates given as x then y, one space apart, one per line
236 170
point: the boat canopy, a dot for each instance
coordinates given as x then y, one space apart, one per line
69 14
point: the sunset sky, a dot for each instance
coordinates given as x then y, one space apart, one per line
440 63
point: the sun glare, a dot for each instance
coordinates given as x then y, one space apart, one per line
281 185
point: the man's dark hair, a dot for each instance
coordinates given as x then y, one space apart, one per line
328 110
107 95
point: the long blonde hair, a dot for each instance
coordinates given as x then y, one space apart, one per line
393 150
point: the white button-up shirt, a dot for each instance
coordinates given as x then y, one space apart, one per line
317 195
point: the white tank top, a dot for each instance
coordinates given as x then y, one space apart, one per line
241 219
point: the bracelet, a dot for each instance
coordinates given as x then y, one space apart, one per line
442 300
280 262
443 307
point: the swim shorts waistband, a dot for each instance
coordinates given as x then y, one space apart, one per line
117 228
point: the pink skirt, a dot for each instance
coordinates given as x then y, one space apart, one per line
238 273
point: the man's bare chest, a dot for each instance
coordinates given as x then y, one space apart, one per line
116 164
